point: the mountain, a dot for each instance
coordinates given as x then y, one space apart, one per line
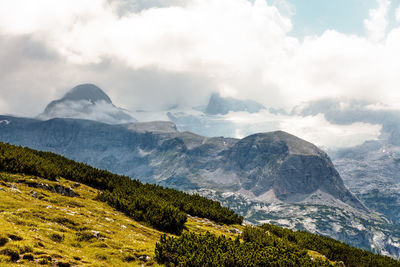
275 165
210 120
86 101
371 171
223 105
57 212
270 177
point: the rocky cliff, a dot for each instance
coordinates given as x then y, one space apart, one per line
269 177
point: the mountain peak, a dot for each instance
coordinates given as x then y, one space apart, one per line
294 144
88 92
223 105
86 101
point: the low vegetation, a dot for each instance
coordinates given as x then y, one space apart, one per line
56 230
209 250
331 248
267 245
164 209
38 226
47 218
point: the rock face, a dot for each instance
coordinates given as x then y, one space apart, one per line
270 177
89 92
289 166
371 171
276 163
86 101
222 105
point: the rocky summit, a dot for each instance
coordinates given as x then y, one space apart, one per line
223 105
86 101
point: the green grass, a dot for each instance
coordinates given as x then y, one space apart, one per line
80 230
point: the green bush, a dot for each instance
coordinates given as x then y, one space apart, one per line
85 236
209 250
28 257
56 237
266 245
14 237
13 253
3 240
331 248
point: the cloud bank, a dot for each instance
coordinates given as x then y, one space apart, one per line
377 22
161 53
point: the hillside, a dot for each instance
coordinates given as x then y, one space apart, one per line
52 228
60 222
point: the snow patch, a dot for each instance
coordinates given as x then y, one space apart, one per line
268 197
309 224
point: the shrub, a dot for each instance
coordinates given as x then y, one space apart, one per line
3 240
13 253
57 237
85 236
63 264
28 257
14 237
209 250
45 259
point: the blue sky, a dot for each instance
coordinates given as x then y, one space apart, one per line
345 16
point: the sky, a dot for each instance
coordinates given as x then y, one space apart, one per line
153 54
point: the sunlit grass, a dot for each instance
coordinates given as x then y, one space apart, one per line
80 230
76 230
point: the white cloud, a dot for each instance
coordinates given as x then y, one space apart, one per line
213 33
315 129
322 133
285 7
173 54
398 14
377 22
84 109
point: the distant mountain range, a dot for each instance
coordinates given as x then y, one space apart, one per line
267 177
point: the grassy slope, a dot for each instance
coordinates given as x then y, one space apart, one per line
57 228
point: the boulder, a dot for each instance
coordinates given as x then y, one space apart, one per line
235 231
144 258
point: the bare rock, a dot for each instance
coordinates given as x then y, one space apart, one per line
235 231
13 188
59 189
144 258
65 191
95 233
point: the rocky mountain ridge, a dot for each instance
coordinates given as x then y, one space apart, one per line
258 171
291 167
